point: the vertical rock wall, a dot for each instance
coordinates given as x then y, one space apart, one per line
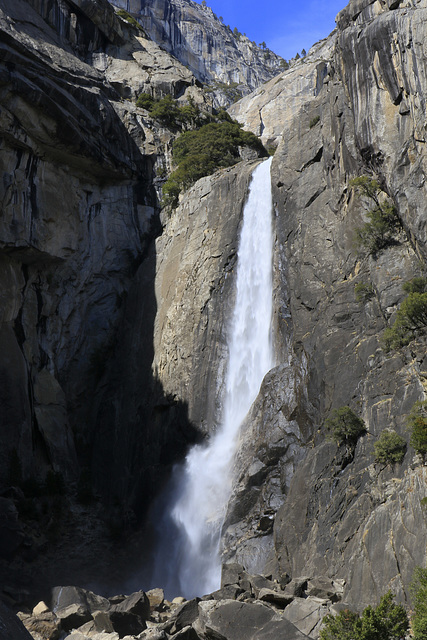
347 518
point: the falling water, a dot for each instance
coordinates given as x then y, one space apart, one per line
188 562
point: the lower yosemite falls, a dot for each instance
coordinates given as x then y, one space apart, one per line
188 559
136 322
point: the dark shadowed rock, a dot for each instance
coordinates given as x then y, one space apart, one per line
137 603
187 633
11 628
185 615
259 582
278 598
296 587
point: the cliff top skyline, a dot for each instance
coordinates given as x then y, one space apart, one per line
286 27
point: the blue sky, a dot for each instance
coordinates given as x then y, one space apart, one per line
286 26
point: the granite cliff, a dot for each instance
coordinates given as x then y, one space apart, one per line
357 110
228 62
114 314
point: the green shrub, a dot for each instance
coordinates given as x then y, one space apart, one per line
412 313
386 621
199 153
126 16
363 292
411 319
416 285
417 422
419 596
344 426
145 101
344 626
314 121
166 111
390 448
383 223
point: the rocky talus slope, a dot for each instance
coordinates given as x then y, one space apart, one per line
227 61
246 607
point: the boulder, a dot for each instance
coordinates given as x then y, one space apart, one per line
128 617
40 608
259 582
137 604
278 598
126 623
63 597
185 615
156 598
102 621
324 588
187 633
73 616
307 614
230 592
231 620
153 634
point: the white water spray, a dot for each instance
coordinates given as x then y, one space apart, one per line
188 562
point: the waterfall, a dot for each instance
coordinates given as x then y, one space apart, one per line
188 562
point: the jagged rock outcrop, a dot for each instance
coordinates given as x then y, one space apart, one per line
230 63
349 517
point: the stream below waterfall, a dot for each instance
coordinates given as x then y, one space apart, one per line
187 559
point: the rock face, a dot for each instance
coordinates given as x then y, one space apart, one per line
71 175
169 375
79 212
229 62
364 118
272 107
113 318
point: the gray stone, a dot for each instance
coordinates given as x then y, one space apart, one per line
323 588
307 615
185 615
296 587
73 616
278 598
232 620
137 603
196 37
156 598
